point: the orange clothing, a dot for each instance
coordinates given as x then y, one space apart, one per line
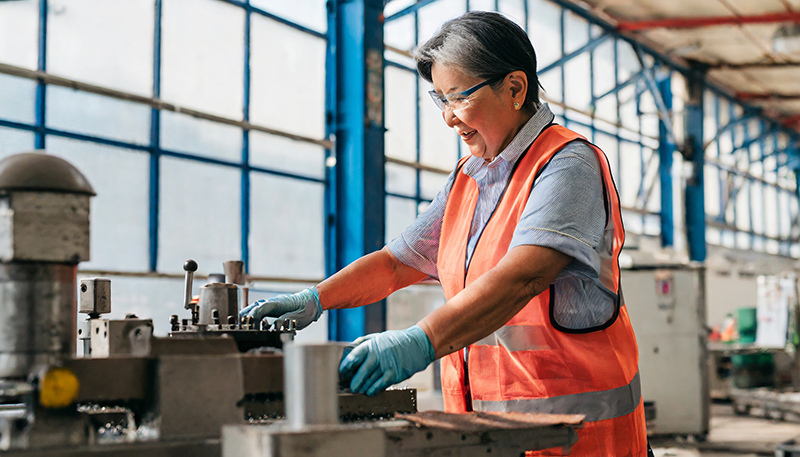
533 363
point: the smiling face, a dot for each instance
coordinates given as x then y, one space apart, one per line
491 120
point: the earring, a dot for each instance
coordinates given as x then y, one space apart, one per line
516 105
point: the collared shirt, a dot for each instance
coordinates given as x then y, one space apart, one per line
565 210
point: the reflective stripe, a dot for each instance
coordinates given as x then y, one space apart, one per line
517 338
605 404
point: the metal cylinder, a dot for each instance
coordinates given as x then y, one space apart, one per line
234 271
38 305
311 381
220 296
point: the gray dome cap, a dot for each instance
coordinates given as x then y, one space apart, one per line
42 172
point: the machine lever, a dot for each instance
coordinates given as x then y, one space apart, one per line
190 266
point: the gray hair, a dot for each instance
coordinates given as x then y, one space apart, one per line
483 44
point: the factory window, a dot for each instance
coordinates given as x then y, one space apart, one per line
200 124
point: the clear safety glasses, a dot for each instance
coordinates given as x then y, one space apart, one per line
460 100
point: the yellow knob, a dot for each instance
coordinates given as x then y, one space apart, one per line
59 388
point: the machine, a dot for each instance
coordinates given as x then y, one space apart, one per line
215 386
666 304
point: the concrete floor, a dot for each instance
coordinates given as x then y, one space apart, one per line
731 435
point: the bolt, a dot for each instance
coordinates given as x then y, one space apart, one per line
215 316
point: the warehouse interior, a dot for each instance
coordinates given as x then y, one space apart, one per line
296 136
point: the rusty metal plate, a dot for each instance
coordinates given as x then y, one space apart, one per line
486 421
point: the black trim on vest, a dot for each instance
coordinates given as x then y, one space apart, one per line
620 301
597 328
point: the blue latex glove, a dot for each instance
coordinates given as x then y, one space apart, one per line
382 359
304 307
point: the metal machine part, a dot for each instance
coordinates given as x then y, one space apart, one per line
190 266
44 210
234 272
222 297
37 302
430 434
37 172
95 296
44 227
666 305
44 233
120 337
311 374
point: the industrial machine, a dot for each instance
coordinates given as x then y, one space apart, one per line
666 304
215 386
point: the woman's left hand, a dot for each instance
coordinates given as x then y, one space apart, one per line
382 359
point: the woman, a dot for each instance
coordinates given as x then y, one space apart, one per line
524 238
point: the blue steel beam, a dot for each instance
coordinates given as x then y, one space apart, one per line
664 113
41 87
412 9
729 126
632 80
357 121
695 197
592 44
245 182
155 140
252 9
666 148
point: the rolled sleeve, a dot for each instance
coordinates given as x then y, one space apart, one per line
566 209
418 245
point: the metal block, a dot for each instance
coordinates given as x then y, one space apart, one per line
44 227
311 378
117 378
409 441
120 337
194 344
37 305
319 441
95 296
198 394
262 405
207 448
262 373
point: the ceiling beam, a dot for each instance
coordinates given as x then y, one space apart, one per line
754 66
763 96
695 22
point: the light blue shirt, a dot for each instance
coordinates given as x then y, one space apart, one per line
565 211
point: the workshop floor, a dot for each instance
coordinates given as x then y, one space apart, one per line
731 435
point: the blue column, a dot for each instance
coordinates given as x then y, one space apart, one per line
41 87
245 182
665 150
155 140
695 197
355 117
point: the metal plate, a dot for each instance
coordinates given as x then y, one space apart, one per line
352 407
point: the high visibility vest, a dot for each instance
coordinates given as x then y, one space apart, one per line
534 363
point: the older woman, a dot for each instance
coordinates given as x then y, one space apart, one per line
524 238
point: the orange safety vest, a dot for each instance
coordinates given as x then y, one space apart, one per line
532 363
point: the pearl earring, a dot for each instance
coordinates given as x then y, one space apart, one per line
516 105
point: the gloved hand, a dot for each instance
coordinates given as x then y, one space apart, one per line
304 307
382 359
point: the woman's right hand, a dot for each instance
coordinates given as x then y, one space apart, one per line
303 307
